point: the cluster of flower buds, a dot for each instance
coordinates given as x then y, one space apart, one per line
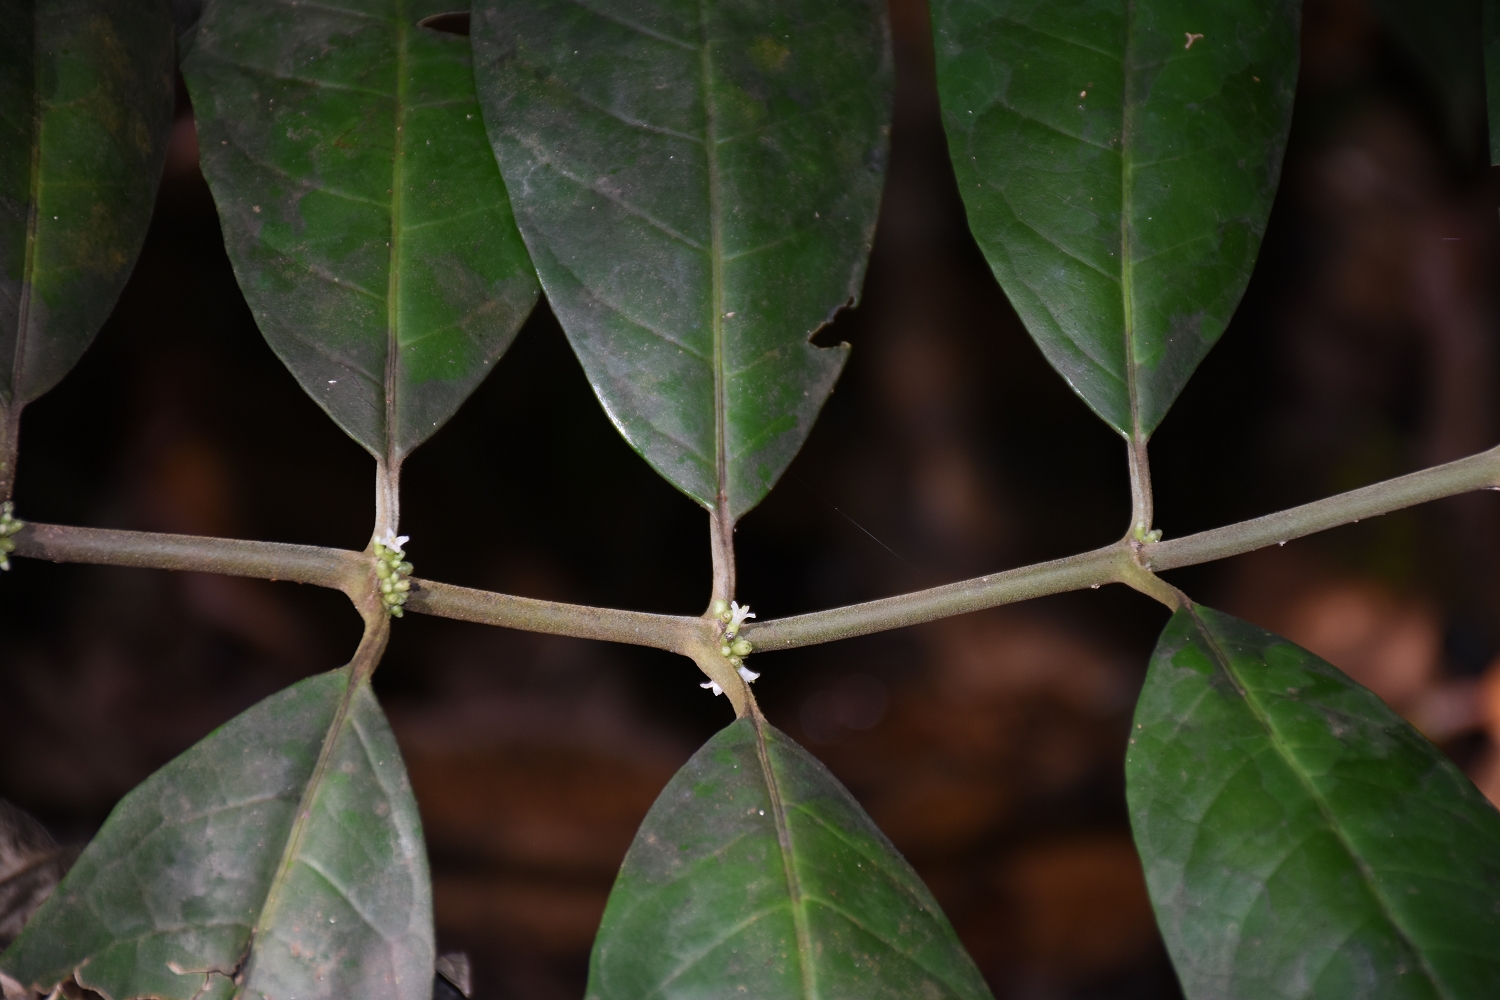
8 526
1146 537
732 646
393 571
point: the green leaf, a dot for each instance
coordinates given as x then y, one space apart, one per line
1118 162
86 104
756 874
362 208
284 848
1299 838
698 184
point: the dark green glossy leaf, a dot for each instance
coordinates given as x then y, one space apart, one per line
1299 838
1118 161
85 112
204 871
756 874
362 208
698 184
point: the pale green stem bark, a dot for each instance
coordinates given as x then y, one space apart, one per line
10 436
1124 562
1142 506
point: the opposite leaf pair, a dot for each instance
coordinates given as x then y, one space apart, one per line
1300 840
691 213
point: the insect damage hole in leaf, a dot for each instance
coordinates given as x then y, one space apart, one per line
698 186
455 22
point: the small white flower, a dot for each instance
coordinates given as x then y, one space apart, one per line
738 614
394 542
748 674
713 684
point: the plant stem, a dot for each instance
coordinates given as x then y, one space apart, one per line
1087 569
338 569
387 498
372 644
1113 564
721 547
671 632
1122 562
1142 508
10 436
1477 472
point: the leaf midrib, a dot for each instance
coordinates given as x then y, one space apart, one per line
784 840
1127 192
716 259
303 815
33 218
397 205
1367 875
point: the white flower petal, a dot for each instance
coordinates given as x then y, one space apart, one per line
749 675
394 542
713 684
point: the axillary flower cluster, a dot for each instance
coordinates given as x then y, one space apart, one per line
732 646
393 572
8 526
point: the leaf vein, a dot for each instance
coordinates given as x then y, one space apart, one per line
305 81
1004 19
1274 737
622 118
625 206
639 29
711 948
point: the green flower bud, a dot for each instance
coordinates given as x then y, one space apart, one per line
720 608
735 661
382 570
725 650
405 569
741 647
403 585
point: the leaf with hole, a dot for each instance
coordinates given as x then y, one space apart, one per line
1118 162
86 100
1299 838
283 853
698 184
757 874
363 212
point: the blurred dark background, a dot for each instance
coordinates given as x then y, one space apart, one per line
989 747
